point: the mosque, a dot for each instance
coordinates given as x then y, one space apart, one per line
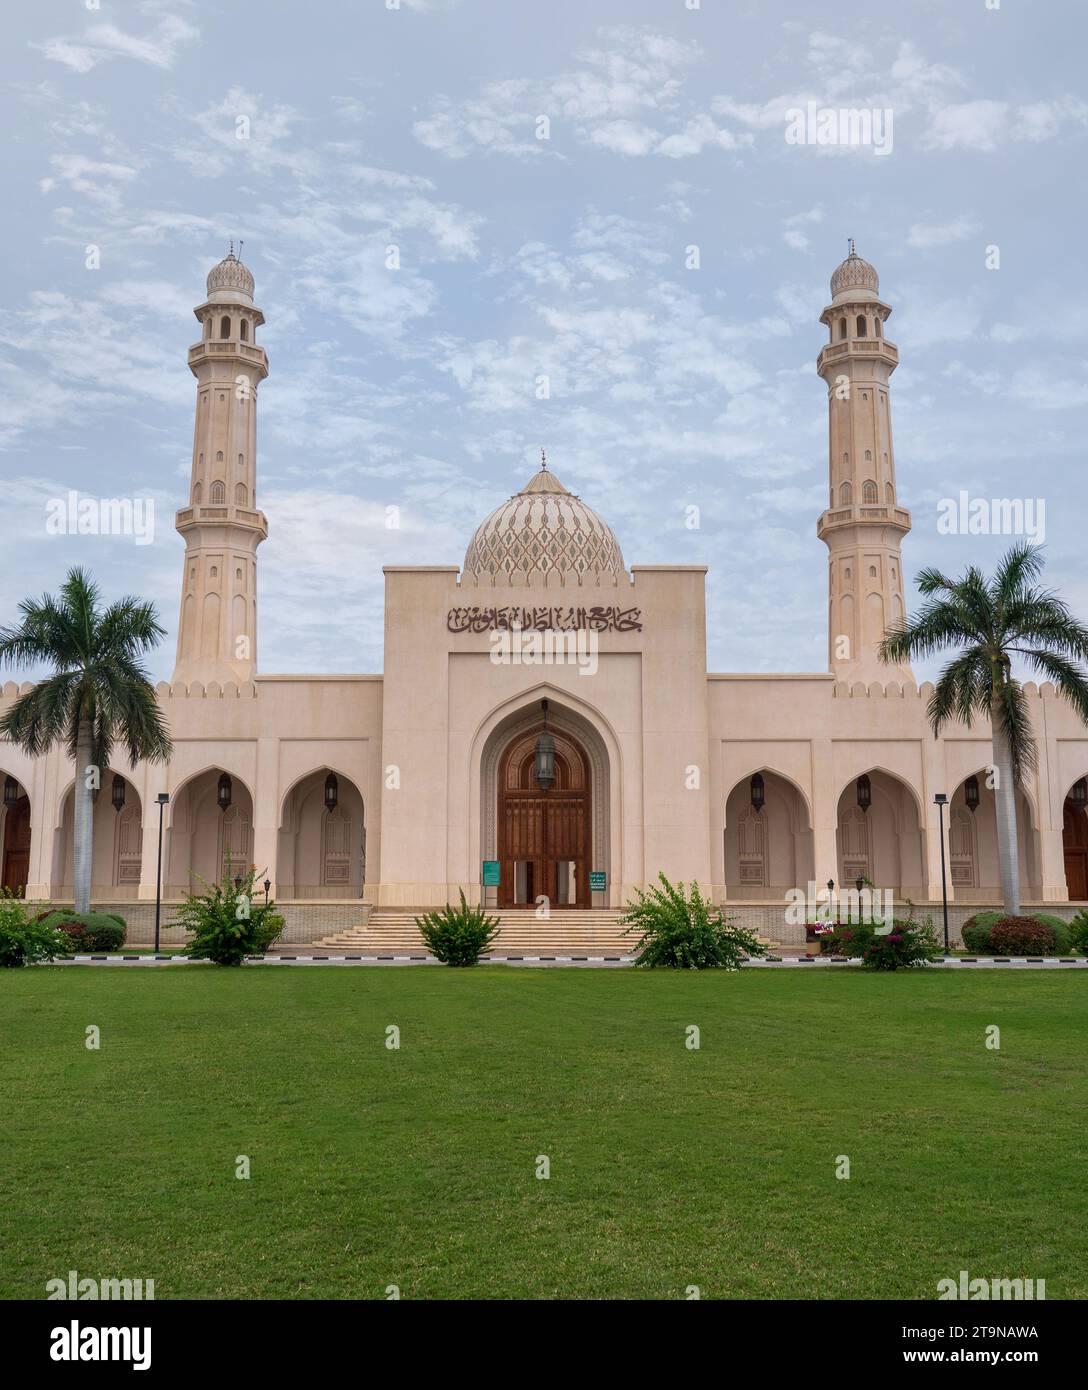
545 726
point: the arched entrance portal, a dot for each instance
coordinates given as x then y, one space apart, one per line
545 837
1075 843
16 865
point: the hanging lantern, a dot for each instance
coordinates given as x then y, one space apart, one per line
758 792
332 792
224 792
544 755
1079 794
11 792
970 794
117 792
865 792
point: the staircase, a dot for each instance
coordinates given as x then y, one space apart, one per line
567 932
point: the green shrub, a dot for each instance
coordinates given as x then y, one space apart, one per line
86 931
846 939
975 932
458 935
1022 936
909 943
1078 933
267 927
22 942
683 932
224 924
1059 926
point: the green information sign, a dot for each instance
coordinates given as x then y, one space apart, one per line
491 873
598 881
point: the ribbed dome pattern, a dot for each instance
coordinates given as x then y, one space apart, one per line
230 274
543 537
854 274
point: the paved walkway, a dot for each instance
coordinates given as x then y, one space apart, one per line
769 963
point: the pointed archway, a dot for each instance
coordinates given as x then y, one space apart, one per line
1075 842
545 834
15 864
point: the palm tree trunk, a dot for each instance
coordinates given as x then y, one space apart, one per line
1008 851
82 847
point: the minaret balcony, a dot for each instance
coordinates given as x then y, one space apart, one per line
229 347
857 348
221 514
865 514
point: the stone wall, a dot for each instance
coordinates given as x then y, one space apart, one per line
766 919
306 921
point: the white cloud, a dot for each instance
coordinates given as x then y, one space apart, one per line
625 96
986 126
923 236
101 42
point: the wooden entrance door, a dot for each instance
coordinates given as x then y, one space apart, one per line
1075 840
17 846
544 837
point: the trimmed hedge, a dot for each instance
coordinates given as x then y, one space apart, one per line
977 934
1022 936
86 931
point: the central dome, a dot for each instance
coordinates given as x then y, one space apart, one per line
543 537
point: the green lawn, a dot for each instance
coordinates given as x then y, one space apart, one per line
416 1167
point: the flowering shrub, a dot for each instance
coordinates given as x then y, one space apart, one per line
907 944
1021 936
845 939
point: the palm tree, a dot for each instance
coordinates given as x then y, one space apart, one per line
98 695
992 621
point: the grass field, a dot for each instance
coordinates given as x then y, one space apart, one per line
669 1167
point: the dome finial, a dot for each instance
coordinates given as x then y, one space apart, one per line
850 243
543 460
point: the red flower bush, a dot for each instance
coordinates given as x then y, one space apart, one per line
1022 936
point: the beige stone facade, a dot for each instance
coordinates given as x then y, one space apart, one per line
397 789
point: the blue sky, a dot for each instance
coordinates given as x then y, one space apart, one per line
670 387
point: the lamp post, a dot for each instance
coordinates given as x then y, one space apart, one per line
267 886
164 797
941 801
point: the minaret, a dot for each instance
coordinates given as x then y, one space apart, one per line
217 634
863 524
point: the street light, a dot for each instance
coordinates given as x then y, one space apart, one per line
163 798
941 801
267 886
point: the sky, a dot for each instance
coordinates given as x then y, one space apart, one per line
599 195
